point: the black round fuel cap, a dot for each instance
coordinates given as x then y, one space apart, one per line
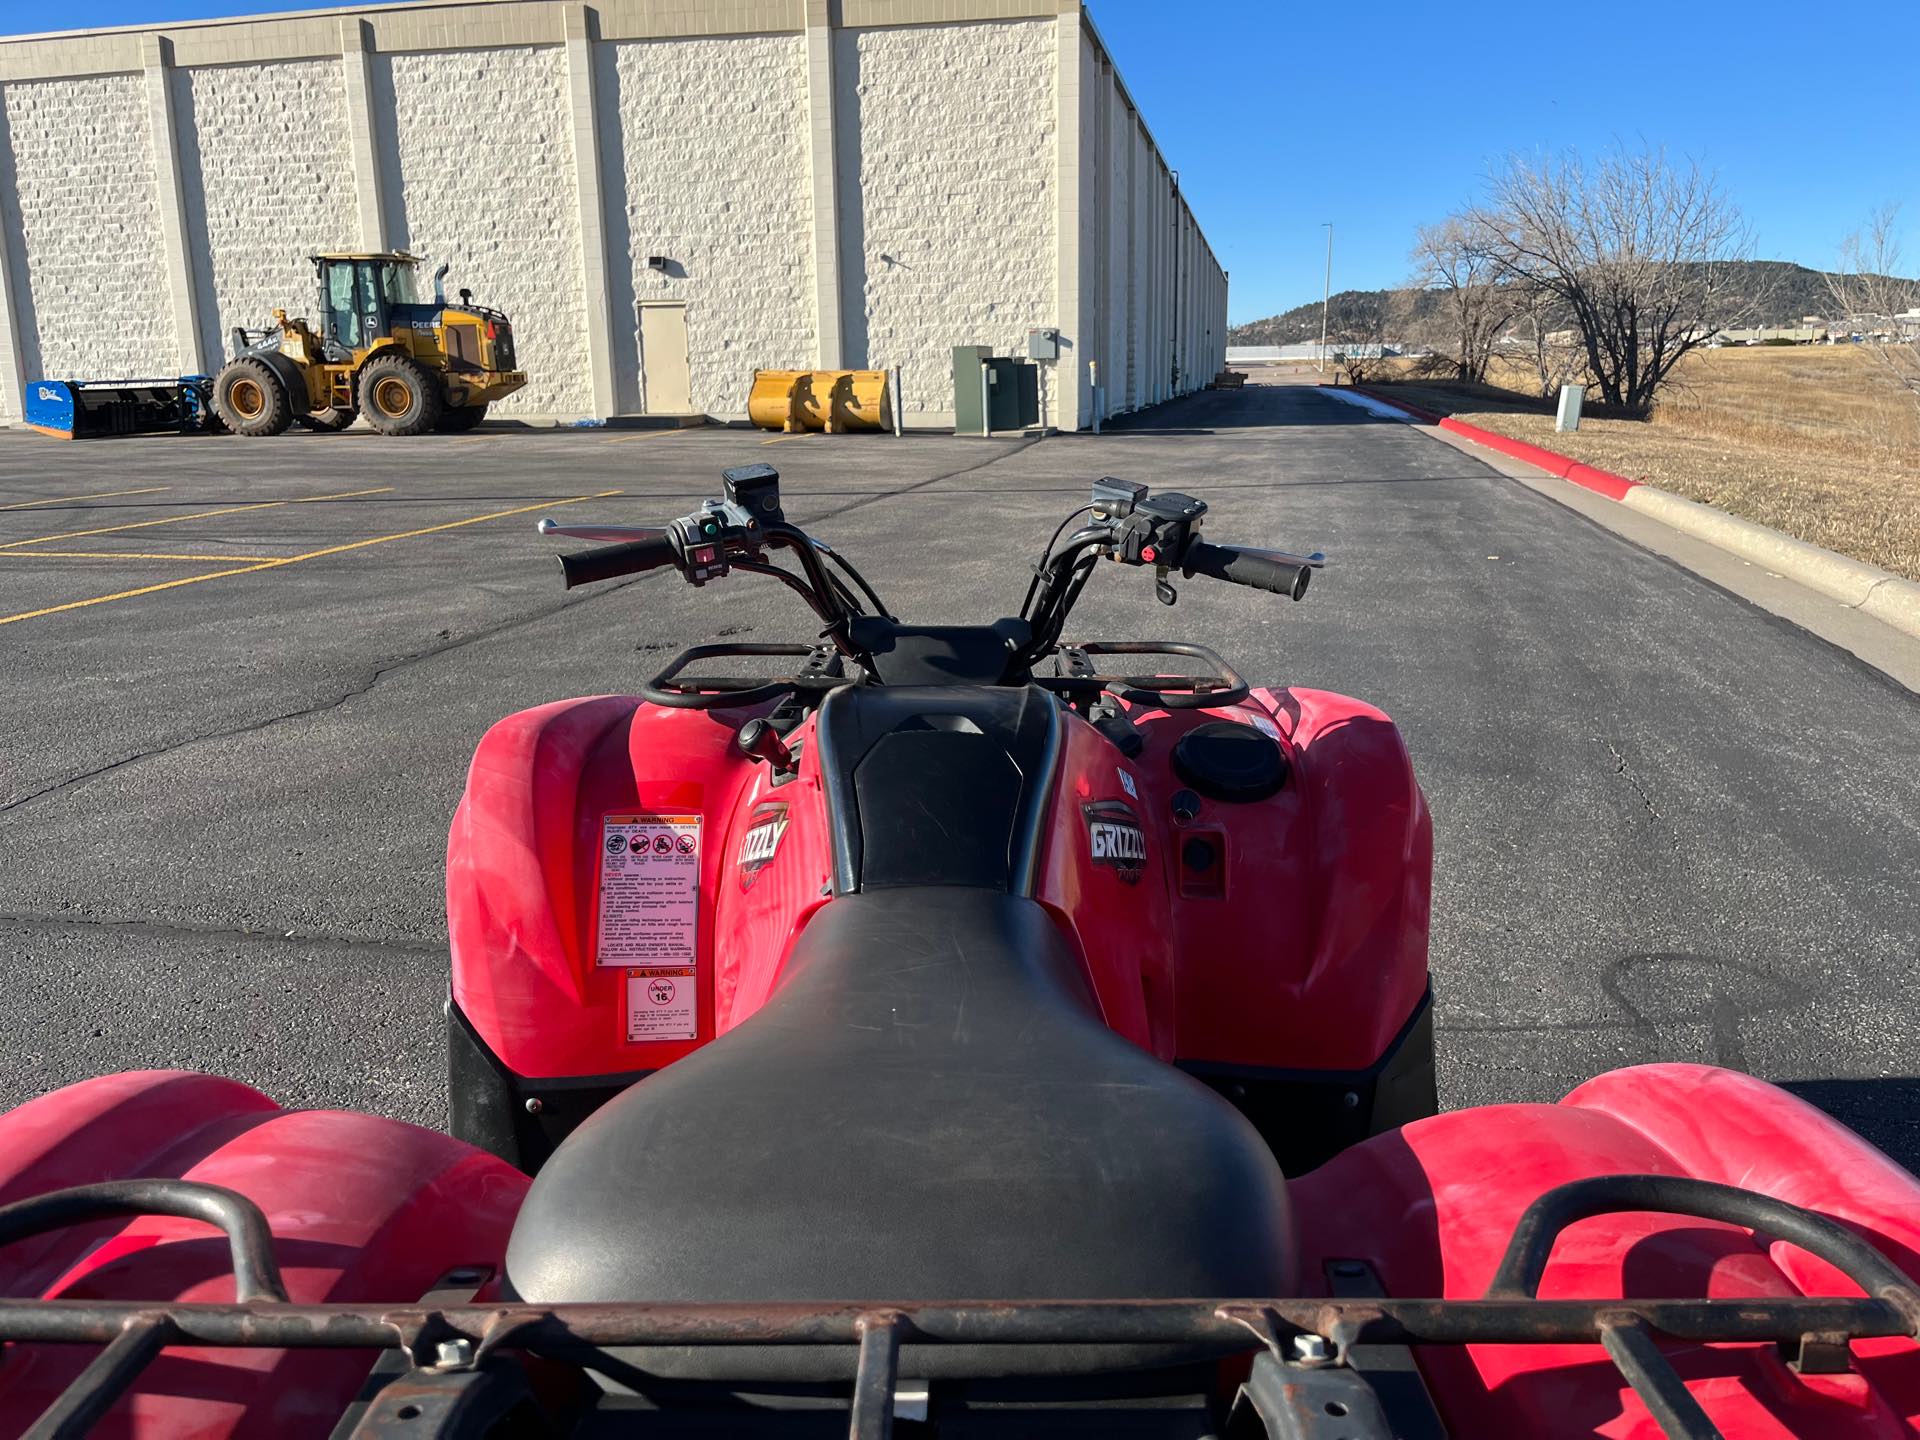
1224 761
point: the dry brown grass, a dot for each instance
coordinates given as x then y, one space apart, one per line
1815 441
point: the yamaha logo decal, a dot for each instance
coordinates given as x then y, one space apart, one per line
762 841
1115 839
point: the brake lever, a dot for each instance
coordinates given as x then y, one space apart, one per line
612 534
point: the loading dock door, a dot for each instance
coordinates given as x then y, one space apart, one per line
663 359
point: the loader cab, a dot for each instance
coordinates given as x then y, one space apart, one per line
358 296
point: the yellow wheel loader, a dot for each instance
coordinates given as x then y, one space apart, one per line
408 366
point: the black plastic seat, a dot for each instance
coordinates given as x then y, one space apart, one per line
928 1108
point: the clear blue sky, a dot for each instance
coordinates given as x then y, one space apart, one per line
1281 114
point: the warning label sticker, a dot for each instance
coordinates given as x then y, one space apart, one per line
660 1003
649 891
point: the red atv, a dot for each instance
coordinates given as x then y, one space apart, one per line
924 1038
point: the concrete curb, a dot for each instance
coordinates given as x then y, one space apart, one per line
1854 583
1887 597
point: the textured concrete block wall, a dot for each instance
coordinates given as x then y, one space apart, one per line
946 137
706 165
267 172
83 223
478 158
1114 215
954 224
1139 158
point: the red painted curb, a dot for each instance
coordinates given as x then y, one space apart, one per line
1603 482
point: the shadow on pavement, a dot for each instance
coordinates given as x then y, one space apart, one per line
1885 1111
1255 407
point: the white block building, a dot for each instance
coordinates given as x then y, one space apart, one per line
665 195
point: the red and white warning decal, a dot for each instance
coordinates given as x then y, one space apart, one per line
1114 838
661 1003
649 890
762 840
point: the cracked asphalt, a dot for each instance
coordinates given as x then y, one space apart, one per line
1668 824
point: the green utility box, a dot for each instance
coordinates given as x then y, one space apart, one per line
1012 391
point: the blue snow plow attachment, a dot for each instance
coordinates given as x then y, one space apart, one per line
82 409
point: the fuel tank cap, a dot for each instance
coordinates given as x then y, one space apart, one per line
1224 761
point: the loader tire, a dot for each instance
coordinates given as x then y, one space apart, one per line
330 420
249 399
460 418
400 396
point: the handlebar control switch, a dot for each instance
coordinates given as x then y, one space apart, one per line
718 530
1158 529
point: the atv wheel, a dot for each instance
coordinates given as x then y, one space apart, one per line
330 420
250 400
399 395
464 417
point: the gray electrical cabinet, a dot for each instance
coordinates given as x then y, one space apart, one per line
1012 391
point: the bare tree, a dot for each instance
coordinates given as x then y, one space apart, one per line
1875 304
1360 331
1639 251
1457 258
1545 337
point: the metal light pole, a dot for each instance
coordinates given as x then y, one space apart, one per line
1325 293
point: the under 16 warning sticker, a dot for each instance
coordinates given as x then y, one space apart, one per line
660 1003
650 891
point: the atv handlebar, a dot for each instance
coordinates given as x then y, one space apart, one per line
1271 570
1127 524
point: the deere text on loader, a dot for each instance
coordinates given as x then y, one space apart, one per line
408 366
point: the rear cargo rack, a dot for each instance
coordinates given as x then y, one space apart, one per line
450 1360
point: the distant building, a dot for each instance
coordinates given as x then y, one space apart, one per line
1310 352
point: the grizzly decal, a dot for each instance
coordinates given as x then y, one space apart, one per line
1115 839
762 841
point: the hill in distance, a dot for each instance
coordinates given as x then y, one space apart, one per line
1791 291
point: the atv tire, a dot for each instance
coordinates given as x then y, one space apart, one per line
331 420
400 396
461 418
249 399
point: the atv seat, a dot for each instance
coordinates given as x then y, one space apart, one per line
928 1108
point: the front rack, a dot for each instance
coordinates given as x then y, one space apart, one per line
452 1356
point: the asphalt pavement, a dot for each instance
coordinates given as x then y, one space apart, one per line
242 680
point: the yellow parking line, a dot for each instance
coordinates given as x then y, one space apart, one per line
296 559
197 515
123 555
638 435
96 495
782 439
435 529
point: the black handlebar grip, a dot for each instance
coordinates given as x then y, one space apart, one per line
610 562
1246 567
